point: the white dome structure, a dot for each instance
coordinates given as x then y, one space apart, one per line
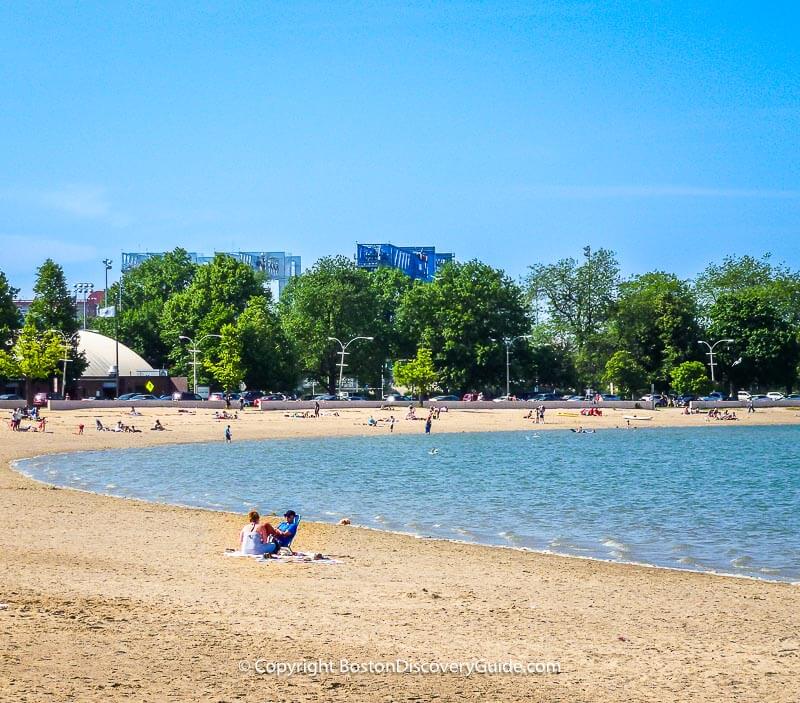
101 353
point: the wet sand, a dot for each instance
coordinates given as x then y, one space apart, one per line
111 599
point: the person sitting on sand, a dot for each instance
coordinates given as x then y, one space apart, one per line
158 426
134 411
251 537
372 422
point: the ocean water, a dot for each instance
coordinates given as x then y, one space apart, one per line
710 499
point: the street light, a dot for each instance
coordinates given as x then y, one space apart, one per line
67 339
195 352
711 353
107 263
508 341
84 288
343 352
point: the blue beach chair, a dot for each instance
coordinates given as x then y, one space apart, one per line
286 542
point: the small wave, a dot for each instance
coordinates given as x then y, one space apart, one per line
616 546
111 485
742 562
689 561
380 519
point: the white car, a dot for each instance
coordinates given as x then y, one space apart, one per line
775 395
743 395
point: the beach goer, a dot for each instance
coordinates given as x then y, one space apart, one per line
428 424
157 426
750 408
80 428
241 403
42 424
284 533
391 423
228 435
316 409
251 540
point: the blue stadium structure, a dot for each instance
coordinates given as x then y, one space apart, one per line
278 265
417 262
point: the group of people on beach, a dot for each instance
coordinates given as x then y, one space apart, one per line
536 414
261 538
32 414
717 414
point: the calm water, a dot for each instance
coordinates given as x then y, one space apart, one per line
719 499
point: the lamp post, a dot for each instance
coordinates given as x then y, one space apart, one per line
107 263
195 351
67 339
710 353
84 288
343 352
509 341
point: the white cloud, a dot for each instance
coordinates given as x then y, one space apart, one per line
84 201
28 252
656 191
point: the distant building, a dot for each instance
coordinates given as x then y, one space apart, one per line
277 265
422 263
94 300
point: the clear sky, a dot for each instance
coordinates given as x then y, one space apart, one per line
510 132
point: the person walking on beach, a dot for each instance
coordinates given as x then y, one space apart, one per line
228 435
391 423
750 408
316 409
428 424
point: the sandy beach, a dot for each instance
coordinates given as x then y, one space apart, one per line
111 599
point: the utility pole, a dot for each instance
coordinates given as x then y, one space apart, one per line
710 353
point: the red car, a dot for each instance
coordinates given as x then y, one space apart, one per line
40 399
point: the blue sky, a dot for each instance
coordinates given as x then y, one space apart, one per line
510 132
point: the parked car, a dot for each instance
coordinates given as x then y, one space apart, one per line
793 396
185 395
166 396
660 402
40 399
220 395
445 398
683 400
143 396
714 396
575 398
250 397
775 395
504 398
743 395
397 398
351 397
11 396
544 397
127 396
759 396
610 396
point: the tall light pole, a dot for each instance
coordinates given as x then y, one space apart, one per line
107 263
343 352
67 339
509 341
84 288
195 351
710 353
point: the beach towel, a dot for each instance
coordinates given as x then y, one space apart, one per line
296 558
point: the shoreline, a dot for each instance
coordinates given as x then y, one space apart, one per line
151 617
383 530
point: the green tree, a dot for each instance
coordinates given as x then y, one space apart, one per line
691 377
226 366
35 356
332 299
577 299
418 373
655 319
765 349
458 316
10 319
145 290
216 296
53 308
624 371
268 355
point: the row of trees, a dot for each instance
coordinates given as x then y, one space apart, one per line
585 326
